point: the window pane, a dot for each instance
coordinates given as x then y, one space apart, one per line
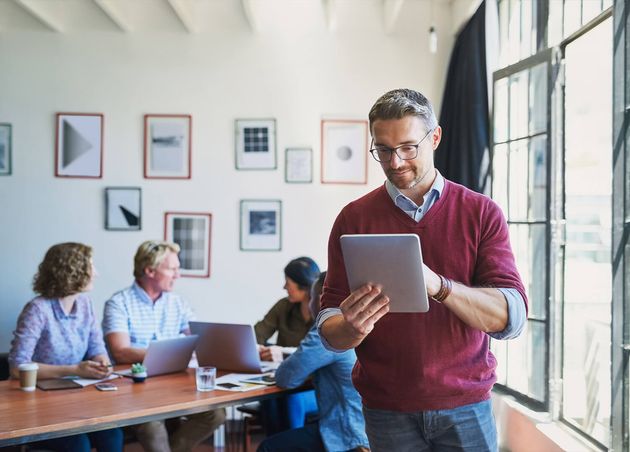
554 23
538 178
526 362
519 118
499 350
590 9
538 99
528 33
500 124
504 53
536 364
529 246
500 177
572 14
518 182
517 369
588 270
514 31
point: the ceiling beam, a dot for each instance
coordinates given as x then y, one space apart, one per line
250 16
391 12
36 11
330 14
184 14
114 14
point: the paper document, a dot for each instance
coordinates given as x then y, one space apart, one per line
234 382
90 381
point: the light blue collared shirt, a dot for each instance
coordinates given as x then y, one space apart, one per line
133 312
517 315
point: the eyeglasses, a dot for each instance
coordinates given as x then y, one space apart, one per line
404 151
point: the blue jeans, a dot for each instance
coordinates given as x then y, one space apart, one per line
103 441
465 428
304 439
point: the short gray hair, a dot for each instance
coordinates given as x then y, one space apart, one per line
398 103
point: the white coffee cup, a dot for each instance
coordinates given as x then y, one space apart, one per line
28 376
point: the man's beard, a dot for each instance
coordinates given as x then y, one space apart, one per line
411 184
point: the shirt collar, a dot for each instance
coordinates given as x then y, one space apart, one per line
437 188
143 295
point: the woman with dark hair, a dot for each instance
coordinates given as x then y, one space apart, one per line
58 331
290 316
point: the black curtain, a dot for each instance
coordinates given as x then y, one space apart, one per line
464 117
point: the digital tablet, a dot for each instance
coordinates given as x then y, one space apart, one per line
391 260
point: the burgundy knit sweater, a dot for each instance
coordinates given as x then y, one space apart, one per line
428 361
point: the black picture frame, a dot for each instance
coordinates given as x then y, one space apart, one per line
123 208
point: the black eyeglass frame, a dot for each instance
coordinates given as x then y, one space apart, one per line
374 151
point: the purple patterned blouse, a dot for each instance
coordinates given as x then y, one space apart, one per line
45 334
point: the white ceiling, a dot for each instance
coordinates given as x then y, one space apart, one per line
203 16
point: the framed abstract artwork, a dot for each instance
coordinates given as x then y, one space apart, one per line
5 149
255 144
123 208
79 145
344 151
298 165
192 232
261 225
167 146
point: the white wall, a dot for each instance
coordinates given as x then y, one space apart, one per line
295 75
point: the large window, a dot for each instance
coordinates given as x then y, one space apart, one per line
520 177
560 172
586 358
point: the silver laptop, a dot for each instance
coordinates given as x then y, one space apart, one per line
228 346
167 356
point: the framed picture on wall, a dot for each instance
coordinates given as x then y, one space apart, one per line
298 167
167 146
261 225
79 145
5 149
123 208
192 232
344 151
255 144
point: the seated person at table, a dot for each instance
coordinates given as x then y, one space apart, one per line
58 331
291 318
340 426
149 311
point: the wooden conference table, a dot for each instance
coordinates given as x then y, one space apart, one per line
38 415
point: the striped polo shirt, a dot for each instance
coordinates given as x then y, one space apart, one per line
133 312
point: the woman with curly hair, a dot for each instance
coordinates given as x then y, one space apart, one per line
58 331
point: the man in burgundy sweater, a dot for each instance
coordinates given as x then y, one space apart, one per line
425 378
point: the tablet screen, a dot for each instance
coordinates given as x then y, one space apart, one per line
391 260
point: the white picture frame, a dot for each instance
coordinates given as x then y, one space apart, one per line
167 146
344 151
79 145
298 166
255 144
192 231
261 225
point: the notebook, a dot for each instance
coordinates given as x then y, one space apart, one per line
228 346
392 260
167 356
